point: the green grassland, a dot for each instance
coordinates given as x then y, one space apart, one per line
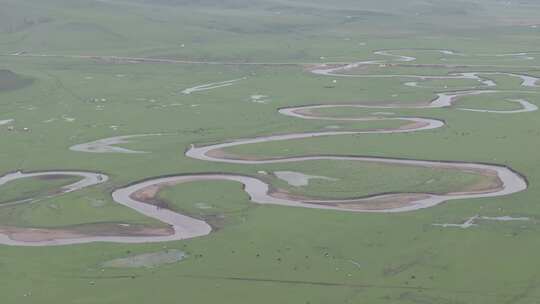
12 81
260 253
355 179
32 187
223 207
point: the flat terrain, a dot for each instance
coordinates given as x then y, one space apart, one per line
12 81
434 103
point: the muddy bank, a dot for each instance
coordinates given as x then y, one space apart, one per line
180 226
508 180
136 196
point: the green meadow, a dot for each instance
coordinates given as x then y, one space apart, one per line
57 97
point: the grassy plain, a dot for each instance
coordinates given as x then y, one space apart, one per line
267 254
32 188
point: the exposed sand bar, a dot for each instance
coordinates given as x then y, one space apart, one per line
183 226
137 196
510 181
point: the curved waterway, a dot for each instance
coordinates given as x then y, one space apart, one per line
87 179
138 196
510 181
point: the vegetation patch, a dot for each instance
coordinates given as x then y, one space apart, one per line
12 81
147 260
34 187
226 204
